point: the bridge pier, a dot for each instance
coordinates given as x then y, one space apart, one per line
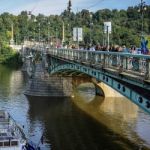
41 84
53 86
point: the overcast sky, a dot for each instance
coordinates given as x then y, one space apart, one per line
48 7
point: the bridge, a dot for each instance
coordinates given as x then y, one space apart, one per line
129 74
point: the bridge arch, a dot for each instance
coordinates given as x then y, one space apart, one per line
83 79
122 87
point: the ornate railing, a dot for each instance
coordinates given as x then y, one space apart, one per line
135 64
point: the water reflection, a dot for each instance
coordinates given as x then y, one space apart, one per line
118 114
67 127
86 91
142 126
5 75
85 122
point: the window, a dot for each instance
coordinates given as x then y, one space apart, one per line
14 143
1 144
6 143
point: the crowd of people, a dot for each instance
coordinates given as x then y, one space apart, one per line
117 48
143 49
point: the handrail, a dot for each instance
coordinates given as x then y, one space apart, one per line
136 64
105 52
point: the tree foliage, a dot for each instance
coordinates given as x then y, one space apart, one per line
126 26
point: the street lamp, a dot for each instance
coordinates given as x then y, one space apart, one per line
107 36
29 14
107 30
68 29
142 8
48 35
39 33
91 24
12 34
56 38
34 29
63 32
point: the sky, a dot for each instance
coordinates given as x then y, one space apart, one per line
53 7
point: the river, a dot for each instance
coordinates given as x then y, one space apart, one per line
83 122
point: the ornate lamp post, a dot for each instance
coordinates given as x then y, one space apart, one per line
56 37
142 8
107 30
12 34
69 34
29 14
48 33
34 29
91 24
39 33
63 32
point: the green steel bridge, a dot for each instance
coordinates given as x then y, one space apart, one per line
129 74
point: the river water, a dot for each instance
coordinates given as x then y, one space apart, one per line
83 122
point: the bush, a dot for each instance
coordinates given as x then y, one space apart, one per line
10 58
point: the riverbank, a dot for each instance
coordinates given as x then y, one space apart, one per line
11 59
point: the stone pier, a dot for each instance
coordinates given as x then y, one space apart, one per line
41 84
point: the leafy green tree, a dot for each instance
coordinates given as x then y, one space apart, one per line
126 26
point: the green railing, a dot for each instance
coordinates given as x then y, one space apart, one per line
136 64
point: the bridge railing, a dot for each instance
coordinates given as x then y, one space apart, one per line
135 64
